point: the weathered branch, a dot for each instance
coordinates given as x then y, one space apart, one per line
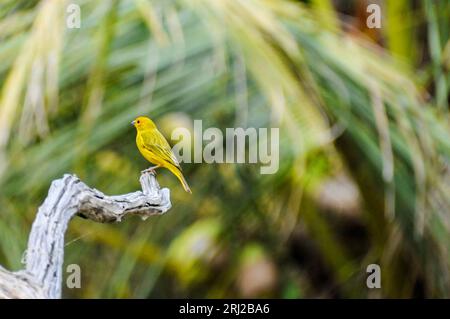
67 197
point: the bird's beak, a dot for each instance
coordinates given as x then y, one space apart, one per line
132 123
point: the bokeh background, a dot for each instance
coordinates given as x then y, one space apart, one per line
364 143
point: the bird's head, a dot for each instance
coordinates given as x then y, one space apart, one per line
142 123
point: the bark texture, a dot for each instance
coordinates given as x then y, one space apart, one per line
67 197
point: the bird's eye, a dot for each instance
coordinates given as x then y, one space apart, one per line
138 122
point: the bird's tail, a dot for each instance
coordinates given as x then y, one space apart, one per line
177 172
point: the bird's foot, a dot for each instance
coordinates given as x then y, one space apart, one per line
148 170
151 170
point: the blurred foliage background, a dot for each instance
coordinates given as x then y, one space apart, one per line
364 143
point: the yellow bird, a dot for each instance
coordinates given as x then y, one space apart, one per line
154 147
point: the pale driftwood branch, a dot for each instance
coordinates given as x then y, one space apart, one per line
67 197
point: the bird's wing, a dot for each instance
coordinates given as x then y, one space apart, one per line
154 142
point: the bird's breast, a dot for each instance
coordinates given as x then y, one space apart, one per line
148 155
